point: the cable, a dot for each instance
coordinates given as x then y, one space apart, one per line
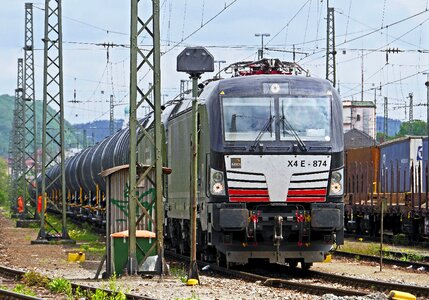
373 31
391 82
299 10
198 29
348 20
384 10
306 23
184 18
88 24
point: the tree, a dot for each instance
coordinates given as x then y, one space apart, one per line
3 182
416 127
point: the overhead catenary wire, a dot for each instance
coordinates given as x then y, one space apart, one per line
374 31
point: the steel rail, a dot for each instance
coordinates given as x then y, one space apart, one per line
416 290
388 261
8 295
13 273
275 282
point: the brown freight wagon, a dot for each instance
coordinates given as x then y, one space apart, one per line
362 171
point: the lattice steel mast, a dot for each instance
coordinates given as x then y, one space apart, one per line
330 46
18 167
30 147
112 116
150 61
53 119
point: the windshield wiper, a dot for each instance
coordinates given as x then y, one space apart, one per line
264 129
301 144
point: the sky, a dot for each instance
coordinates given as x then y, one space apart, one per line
364 29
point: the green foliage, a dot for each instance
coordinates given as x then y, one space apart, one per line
193 297
99 295
179 272
4 197
400 239
60 285
79 294
22 289
361 248
7 103
80 233
416 127
35 279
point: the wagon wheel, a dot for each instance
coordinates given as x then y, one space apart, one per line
306 266
220 259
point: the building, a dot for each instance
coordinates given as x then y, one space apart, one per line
359 115
357 139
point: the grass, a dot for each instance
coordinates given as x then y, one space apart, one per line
361 248
63 286
371 248
193 297
179 272
24 290
60 285
82 234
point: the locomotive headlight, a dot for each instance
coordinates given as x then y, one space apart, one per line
217 176
217 183
336 186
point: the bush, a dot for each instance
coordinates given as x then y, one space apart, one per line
60 285
35 279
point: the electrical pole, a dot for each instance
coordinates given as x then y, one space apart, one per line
53 118
330 46
112 116
427 125
184 88
386 116
261 52
411 113
30 146
362 78
19 137
151 62
219 62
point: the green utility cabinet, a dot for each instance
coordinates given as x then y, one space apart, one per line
145 240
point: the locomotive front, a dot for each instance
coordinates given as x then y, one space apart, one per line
275 169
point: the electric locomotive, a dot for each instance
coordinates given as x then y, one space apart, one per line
270 182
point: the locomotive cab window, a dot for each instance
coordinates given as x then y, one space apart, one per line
309 118
246 119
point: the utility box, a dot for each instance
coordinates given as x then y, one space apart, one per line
145 240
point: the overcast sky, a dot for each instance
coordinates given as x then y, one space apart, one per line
362 27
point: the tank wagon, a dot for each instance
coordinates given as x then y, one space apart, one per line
271 167
395 172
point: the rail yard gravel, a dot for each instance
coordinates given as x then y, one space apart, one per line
51 260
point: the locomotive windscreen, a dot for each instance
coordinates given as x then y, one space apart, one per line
309 117
246 118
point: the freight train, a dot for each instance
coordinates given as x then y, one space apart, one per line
271 167
396 173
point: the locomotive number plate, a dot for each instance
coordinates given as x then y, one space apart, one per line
303 163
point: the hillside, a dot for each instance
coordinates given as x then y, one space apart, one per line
6 119
93 132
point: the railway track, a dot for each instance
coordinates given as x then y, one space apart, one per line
289 278
8 295
374 285
18 274
421 266
274 282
